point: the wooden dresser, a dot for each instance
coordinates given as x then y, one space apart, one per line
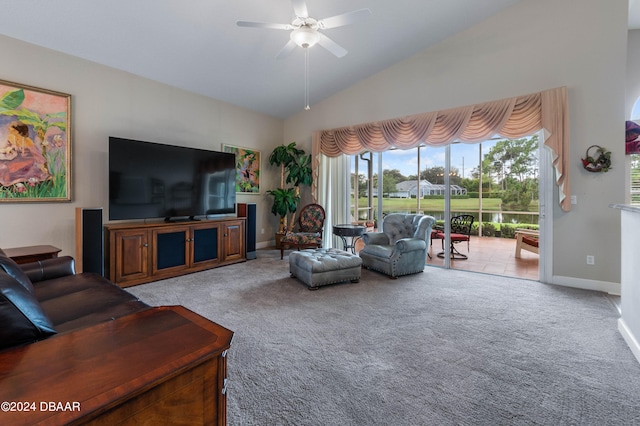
32 253
165 365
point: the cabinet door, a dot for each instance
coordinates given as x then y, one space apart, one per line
131 258
171 250
205 244
234 240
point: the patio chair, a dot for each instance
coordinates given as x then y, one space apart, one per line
310 224
527 239
436 234
460 232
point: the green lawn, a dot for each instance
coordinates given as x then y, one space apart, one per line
489 229
488 204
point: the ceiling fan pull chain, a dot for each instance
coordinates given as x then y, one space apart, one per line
306 79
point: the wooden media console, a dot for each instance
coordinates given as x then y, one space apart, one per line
138 253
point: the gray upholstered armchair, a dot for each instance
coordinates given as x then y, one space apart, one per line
401 247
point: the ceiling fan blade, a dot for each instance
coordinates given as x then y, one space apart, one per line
331 45
344 19
250 24
286 50
300 8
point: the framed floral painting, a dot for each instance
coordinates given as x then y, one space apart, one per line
247 169
35 144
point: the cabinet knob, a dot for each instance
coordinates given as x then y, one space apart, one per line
145 245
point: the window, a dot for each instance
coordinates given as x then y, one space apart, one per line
414 181
635 179
635 162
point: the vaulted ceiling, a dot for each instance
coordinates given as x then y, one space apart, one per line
196 45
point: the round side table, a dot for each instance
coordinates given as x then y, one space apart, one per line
354 232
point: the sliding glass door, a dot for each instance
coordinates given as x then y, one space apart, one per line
495 182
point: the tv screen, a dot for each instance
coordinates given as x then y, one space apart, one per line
152 180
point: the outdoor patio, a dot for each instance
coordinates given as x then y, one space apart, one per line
490 255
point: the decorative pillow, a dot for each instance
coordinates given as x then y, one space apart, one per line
21 316
12 268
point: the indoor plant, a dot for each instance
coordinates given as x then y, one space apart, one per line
295 170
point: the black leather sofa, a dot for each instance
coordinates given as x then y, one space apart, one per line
40 299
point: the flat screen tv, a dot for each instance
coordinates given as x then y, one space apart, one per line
152 180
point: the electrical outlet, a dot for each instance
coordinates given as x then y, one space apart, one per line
262 231
591 260
574 199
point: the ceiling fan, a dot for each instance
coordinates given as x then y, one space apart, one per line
305 30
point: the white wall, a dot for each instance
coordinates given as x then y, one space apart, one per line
532 46
629 323
633 71
108 102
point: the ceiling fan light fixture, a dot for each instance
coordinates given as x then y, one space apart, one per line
304 33
305 37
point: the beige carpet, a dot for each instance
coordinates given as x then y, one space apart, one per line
437 348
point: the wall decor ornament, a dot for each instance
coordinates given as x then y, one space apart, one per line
632 133
598 159
35 144
247 169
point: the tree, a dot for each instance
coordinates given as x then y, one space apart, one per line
395 174
514 161
388 180
471 184
361 182
295 169
435 175
516 158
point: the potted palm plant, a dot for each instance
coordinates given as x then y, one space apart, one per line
295 170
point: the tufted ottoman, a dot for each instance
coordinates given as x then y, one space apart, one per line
317 267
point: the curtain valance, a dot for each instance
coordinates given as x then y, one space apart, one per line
508 118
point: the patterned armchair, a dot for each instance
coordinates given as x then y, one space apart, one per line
310 223
401 247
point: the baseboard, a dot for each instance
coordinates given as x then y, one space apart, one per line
266 244
604 286
629 338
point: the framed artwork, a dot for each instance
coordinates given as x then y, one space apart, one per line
35 144
247 169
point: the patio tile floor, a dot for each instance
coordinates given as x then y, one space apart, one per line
490 255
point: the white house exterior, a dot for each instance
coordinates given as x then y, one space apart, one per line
409 189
